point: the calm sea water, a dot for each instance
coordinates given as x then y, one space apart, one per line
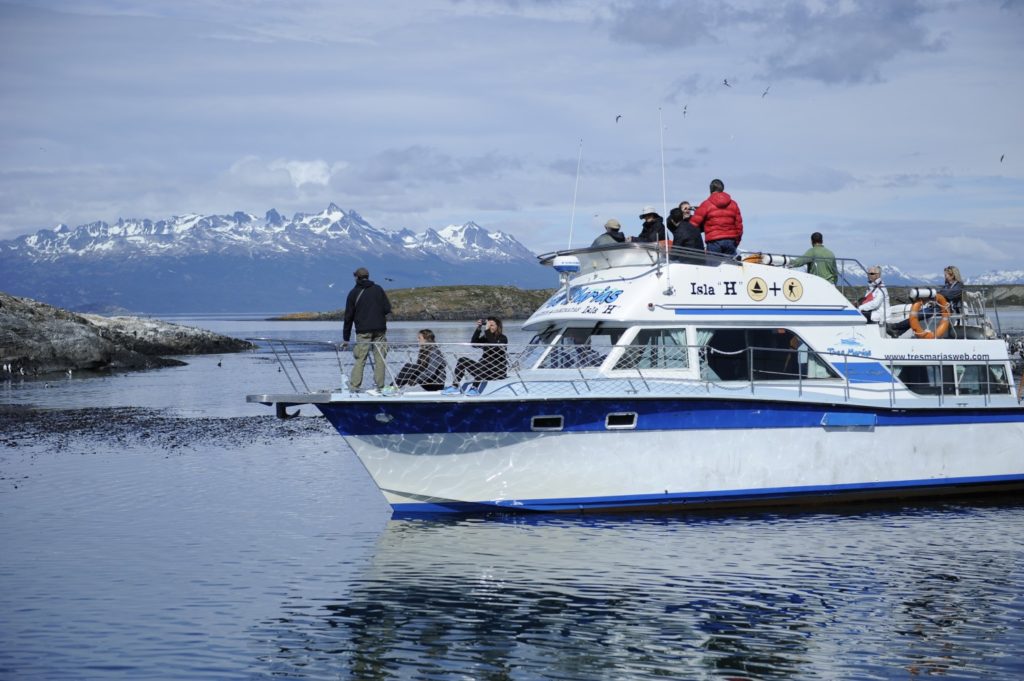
277 558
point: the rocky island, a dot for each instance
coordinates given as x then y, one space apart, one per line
38 339
448 303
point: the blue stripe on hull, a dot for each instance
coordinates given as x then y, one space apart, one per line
772 311
732 498
396 416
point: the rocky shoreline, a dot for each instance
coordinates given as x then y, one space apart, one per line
37 339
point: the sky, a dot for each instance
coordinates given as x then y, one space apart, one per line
892 126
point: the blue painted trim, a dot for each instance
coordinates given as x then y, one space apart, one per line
587 414
782 312
864 372
709 499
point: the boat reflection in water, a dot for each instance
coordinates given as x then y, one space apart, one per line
868 594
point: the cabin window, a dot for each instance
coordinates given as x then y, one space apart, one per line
954 379
656 349
927 379
625 420
537 347
758 354
546 423
580 347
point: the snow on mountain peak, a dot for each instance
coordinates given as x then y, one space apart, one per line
331 230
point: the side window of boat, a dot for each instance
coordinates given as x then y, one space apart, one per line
927 379
758 354
656 349
954 379
578 348
979 379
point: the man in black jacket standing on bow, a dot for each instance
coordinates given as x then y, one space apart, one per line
367 308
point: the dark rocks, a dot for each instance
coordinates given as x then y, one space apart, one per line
38 339
78 429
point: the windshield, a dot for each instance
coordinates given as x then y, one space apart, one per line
573 347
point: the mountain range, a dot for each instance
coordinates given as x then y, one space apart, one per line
243 263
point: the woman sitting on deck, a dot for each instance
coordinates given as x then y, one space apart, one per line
429 370
493 365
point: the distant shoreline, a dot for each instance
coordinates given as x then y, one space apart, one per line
465 303
446 303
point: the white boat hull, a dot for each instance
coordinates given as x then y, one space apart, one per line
574 471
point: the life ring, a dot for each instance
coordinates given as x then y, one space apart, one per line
943 325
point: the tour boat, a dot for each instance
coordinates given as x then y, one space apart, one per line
666 380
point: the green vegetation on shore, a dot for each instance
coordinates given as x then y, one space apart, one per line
448 303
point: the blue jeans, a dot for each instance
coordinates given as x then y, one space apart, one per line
723 246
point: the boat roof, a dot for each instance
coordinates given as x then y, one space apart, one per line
636 283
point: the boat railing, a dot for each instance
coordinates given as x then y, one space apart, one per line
569 370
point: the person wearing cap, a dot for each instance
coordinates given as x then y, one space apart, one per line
366 308
720 219
653 229
612 234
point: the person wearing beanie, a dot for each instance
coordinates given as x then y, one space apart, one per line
366 308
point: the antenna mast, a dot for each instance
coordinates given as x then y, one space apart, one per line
572 219
664 203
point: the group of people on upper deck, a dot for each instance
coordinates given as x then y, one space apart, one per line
874 305
717 220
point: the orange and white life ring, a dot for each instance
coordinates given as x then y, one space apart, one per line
943 325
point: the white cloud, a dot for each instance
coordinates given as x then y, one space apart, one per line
885 121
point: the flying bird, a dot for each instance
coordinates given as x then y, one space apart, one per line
618 117
331 285
684 110
765 91
1002 157
725 82
388 279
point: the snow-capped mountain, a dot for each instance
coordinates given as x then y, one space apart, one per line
244 234
893 276
241 262
997 277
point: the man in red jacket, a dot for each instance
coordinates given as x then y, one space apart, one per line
720 219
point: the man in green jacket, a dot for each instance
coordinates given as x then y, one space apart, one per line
819 260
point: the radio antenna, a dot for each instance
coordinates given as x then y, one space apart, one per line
572 219
664 203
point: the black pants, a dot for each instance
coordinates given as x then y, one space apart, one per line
409 374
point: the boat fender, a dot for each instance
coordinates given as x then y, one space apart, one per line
915 323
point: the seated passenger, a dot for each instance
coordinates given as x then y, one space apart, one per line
492 365
875 303
429 370
952 291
